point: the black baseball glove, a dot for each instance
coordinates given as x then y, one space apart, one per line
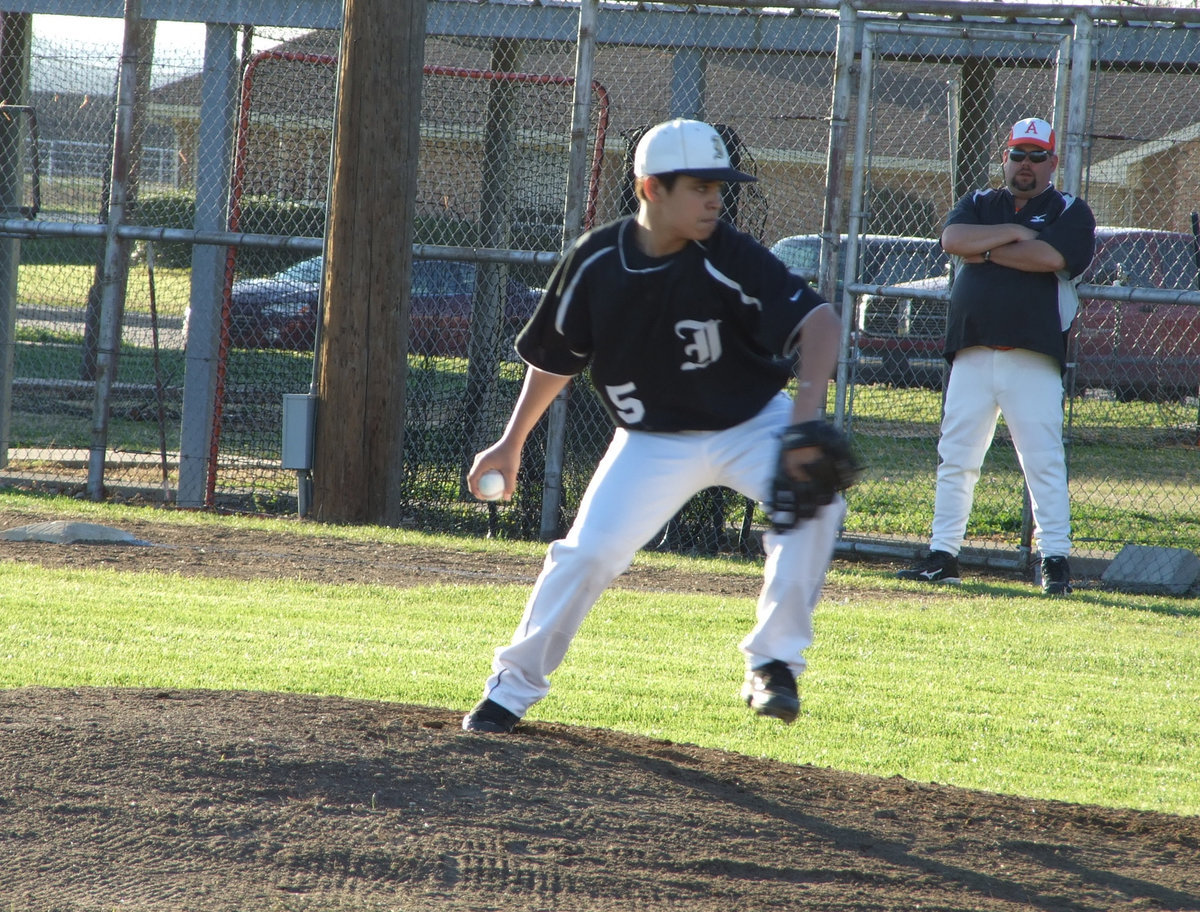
835 469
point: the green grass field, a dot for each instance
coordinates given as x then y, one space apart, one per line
1092 700
66 285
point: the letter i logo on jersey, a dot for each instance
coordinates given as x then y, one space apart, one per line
704 346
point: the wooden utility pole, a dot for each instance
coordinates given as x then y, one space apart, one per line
363 341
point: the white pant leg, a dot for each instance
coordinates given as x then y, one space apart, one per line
968 426
642 481
1030 393
797 561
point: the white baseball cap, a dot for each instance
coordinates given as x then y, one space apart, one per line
689 147
1032 131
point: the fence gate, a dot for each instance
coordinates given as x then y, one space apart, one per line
973 83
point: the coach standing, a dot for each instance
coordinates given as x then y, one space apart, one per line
1022 249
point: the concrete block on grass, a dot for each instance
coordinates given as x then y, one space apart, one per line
63 532
1151 569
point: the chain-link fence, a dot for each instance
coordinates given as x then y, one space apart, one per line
863 126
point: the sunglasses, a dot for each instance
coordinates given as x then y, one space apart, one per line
1037 156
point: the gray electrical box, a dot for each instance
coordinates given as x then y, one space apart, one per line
299 418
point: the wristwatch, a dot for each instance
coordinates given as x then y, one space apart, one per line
987 256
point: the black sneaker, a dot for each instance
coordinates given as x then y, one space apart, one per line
939 567
770 690
1056 576
490 717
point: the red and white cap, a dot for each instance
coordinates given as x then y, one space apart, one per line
1032 131
689 147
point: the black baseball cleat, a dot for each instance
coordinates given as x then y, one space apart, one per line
770 690
938 567
490 717
1056 576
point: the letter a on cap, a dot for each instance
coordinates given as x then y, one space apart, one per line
1032 131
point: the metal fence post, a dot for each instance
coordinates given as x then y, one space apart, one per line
218 102
15 33
834 216
854 228
577 178
116 260
1077 134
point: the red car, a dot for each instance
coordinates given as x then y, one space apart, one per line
1133 349
280 311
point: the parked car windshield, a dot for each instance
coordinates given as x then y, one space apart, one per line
1143 258
443 277
308 271
893 261
429 277
1122 261
886 259
800 254
1179 263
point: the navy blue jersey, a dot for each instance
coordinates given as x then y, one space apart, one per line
995 305
698 340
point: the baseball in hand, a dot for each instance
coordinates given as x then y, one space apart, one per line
491 485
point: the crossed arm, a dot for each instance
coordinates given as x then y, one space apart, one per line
1012 245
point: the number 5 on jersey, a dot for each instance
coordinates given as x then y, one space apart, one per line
629 407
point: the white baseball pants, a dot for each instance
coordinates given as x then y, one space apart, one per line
642 481
1026 387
